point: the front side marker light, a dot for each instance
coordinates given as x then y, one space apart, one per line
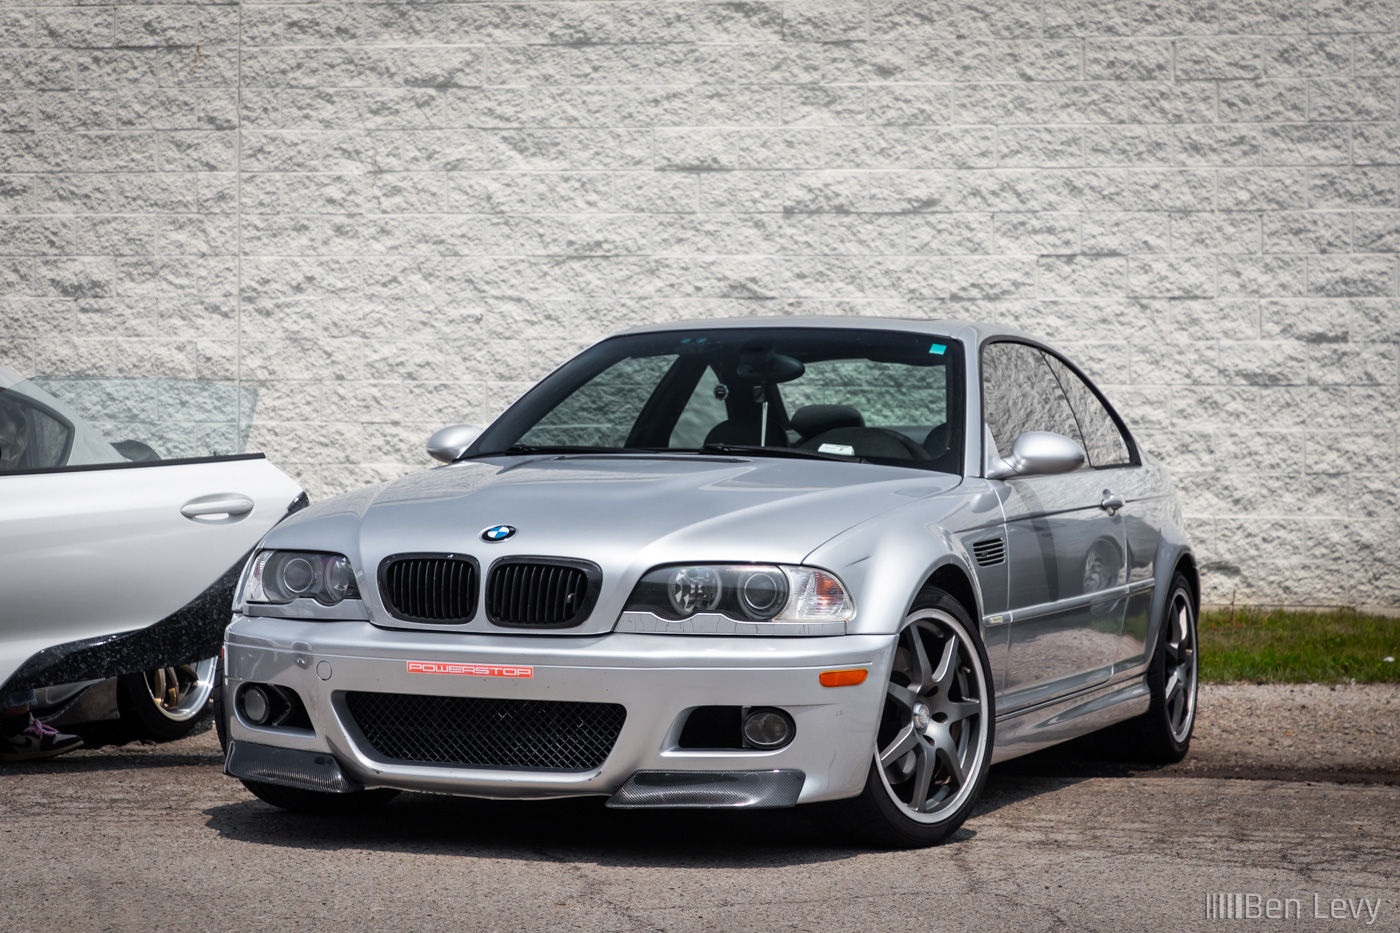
850 678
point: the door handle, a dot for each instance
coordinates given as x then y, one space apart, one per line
1111 503
230 505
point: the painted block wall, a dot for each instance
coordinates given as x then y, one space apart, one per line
387 217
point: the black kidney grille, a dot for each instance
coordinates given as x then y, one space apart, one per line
990 553
541 735
543 595
429 588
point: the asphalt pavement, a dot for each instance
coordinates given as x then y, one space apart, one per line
1289 805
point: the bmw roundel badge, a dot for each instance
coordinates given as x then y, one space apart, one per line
498 532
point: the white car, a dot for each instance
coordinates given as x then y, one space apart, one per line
115 563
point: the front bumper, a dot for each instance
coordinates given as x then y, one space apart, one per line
657 678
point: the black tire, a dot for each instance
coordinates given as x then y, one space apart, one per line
300 800
1162 735
161 719
952 754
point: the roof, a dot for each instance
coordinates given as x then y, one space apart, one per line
971 332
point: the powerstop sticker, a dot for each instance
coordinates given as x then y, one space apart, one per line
471 670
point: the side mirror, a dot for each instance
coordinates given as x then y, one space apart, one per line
1038 453
449 443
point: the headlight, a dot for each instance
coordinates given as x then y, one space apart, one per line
278 577
742 592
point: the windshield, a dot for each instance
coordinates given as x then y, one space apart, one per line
833 393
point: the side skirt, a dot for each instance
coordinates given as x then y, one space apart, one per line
1030 730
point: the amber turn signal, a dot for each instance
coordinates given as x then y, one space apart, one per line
843 678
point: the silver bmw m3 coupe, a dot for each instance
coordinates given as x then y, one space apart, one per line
748 563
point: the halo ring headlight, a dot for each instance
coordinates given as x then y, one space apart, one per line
278 577
694 589
743 593
298 576
762 593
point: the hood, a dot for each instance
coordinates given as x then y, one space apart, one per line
624 513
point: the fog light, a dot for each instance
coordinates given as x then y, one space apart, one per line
254 704
768 728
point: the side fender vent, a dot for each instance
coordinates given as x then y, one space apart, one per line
990 553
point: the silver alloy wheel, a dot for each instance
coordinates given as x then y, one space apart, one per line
1179 695
933 736
181 691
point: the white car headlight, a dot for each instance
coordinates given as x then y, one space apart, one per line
743 592
279 577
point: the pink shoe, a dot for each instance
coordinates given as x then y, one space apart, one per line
36 740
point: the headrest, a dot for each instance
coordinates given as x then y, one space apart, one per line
811 420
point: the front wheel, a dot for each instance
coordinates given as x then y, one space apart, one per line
167 702
934 743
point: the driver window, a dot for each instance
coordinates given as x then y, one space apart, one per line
1104 444
1020 394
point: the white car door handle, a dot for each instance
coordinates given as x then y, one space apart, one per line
230 505
1111 503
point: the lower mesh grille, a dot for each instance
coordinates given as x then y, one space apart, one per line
541 735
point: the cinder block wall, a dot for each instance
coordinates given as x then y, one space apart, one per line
386 217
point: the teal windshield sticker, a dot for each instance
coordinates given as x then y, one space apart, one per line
937 348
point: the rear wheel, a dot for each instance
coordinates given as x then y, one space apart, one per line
167 702
1163 734
933 747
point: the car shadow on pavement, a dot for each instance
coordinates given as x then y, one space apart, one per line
584 829
1059 766
574 830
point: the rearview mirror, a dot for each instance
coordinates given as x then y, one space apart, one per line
449 443
758 363
1038 453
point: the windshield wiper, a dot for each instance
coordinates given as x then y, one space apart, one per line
791 453
518 449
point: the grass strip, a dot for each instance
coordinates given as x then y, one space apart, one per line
1280 646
